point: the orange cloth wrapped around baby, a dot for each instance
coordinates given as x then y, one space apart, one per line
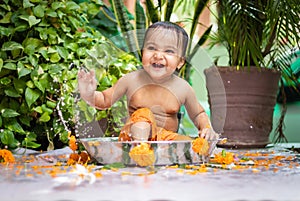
156 133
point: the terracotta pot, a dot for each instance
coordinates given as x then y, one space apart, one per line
242 104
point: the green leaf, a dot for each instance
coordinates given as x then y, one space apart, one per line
1 64
0 121
39 11
33 21
152 11
21 28
5 81
11 45
51 104
27 4
13 125
22 70
140 23
56 5
11 92
8 113
223 153
72 46
10 66
30 144
19 85
38 109
6 31
114 165
45 117
30 84
46 109
63 52
15 53
31 96
39 86
54 58
169 9
43 35
51 13
7 137
44 52
31 45
6 18
33 60
106 82
43 82
72 6
25 120
24 108
55 69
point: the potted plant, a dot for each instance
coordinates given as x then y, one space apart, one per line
257 36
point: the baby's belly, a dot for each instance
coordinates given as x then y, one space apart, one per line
167 123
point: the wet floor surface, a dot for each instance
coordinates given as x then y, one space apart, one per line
270 174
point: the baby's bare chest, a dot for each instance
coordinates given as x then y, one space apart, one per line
155 97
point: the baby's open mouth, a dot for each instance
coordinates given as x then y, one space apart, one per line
157 65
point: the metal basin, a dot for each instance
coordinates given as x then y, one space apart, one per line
108 150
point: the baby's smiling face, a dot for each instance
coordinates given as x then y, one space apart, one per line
162 53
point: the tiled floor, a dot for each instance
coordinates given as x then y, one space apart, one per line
273 175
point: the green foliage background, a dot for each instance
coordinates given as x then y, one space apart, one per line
39 40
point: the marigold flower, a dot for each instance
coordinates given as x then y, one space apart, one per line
224 157
142 154
84 157
81 158
73 158
72 143
6 156
200 146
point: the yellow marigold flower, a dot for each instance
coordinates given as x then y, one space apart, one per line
6 156
200 146
142 154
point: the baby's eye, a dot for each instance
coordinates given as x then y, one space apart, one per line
150 48
170 51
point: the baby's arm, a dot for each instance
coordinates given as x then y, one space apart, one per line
198 115
87 86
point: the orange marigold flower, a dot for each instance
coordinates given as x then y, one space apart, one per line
6 156
73 159
224 157
81 158
142 154
200 146
72 142
84 157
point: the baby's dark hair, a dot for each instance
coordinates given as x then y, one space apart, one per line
181 33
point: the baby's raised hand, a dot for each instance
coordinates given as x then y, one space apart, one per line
87 84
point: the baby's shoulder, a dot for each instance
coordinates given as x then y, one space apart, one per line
181 87
133 74
130 76
178 81
132 79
